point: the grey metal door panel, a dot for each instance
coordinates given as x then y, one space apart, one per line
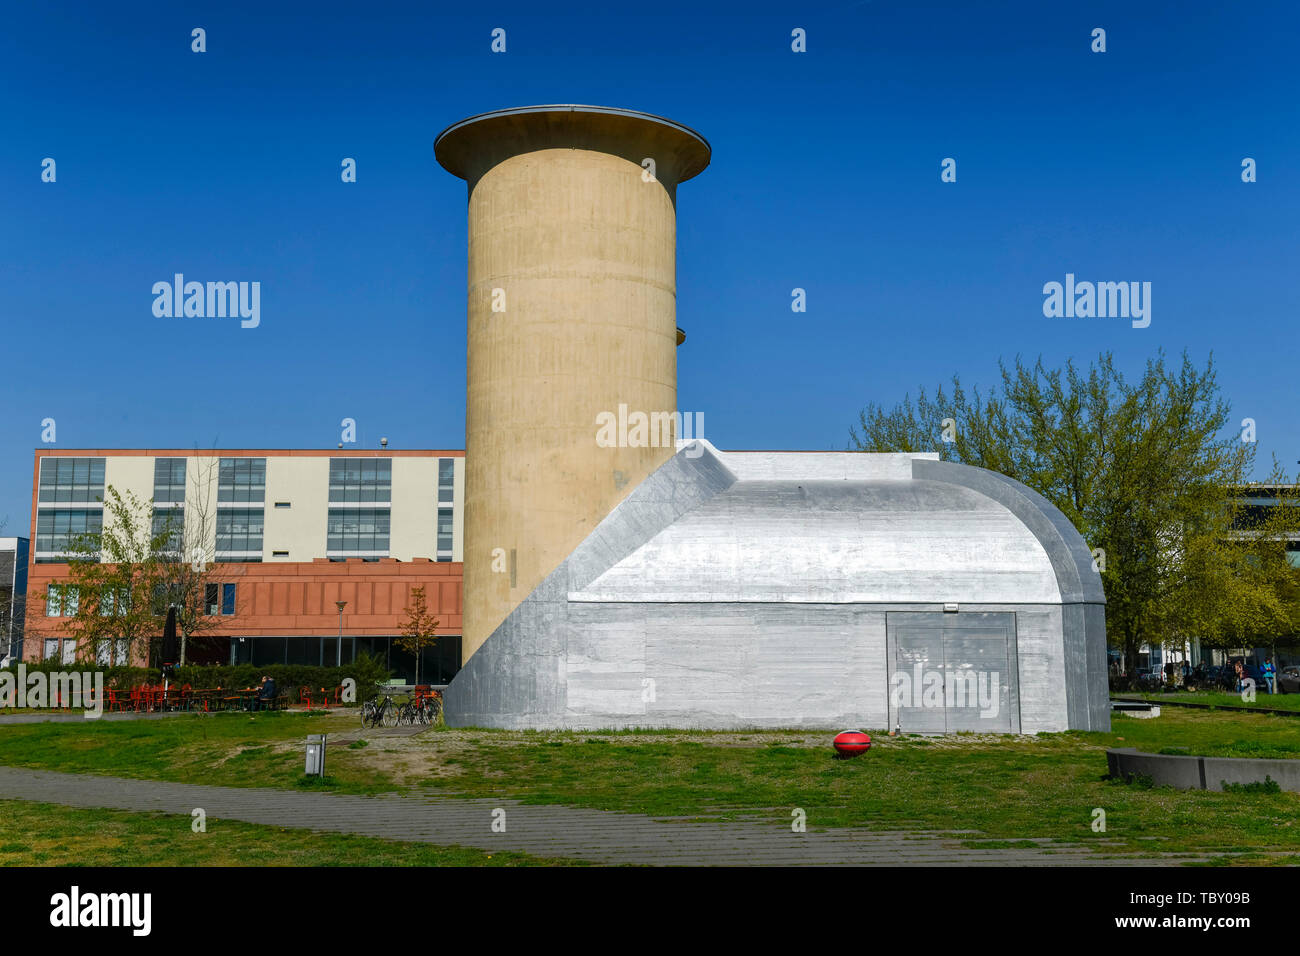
977 679
953 672
918 654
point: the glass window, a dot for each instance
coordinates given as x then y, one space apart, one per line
241 479
51 647
446 480
210 593
361 480
444 529
108 649
168 480
69 651
60 600
57 530
227 599
71 479
239 533
176 537
357 529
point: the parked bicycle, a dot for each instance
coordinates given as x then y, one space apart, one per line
379 711
423 708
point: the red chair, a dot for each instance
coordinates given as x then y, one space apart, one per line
304 697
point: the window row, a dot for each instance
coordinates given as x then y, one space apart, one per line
357 529
360 479
445 525
62 600
169 521
168 480
71 479
239 531
446 480
241 479
57 530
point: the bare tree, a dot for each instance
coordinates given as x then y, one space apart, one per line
191 575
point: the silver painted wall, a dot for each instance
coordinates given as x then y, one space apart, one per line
746 617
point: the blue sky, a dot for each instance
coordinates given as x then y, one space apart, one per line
825 175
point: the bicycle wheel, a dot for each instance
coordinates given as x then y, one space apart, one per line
390 716
435 710
368 714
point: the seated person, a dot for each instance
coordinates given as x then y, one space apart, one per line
265 698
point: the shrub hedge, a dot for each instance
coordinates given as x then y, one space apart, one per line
367 671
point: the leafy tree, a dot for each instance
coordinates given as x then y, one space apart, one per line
419 629
1148 471
113 577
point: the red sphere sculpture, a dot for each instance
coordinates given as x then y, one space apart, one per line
850 743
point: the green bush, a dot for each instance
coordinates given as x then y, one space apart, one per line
1267 785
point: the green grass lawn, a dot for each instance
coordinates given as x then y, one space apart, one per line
1262 700
1002 788
42 834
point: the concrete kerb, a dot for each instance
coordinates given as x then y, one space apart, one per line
1201 773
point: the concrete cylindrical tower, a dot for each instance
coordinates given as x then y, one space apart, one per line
572 314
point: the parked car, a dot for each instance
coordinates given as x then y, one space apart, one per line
1150 678
1288 680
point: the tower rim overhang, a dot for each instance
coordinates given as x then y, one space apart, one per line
455 145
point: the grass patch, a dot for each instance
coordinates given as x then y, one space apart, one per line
239 750
998 788
66 836
1219 698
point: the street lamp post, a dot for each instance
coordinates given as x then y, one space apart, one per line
339 656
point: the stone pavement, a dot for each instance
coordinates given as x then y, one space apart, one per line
551 831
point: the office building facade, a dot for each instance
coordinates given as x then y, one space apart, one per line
285 534
13 596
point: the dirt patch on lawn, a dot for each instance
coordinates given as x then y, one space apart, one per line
444 752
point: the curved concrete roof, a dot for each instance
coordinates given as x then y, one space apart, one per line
838 541
1072 561
832 527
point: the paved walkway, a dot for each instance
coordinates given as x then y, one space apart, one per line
551 831
78 716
